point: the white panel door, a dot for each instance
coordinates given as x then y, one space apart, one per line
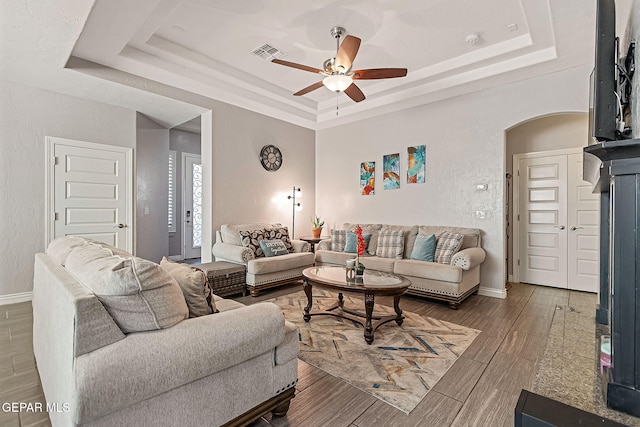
543 215
90 191
583 254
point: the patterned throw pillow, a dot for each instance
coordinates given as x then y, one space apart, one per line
447 246
390 244
251 239
338 240
281 233
273 247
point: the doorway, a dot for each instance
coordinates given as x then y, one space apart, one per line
191 206
556 221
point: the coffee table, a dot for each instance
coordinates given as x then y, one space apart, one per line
374 283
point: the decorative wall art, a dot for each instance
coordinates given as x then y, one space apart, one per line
368 178
416 161
391 169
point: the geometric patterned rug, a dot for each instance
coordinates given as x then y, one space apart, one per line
401 365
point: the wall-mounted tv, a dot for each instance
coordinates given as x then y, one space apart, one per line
603 102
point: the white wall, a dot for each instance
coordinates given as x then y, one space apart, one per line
243 191
465 139
27 115
152 198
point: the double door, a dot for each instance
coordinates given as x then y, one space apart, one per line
558 221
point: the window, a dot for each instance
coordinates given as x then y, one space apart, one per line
172 192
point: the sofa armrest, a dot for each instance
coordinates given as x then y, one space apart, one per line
324 245
232 253
468 258
300 246
146 364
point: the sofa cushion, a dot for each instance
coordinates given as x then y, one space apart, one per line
428 270
251 239
390 244
373 229
60 248
338 240
424 248
273 247
281 263
332 257
230 233
472 236
448 245
281 233
194 285
352 242
379 263
138 294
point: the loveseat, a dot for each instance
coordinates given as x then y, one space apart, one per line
451 281
240 244
127 353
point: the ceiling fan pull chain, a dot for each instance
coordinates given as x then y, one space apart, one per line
337 103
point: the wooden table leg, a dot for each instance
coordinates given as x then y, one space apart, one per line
368 306
307 290
340 300
396 306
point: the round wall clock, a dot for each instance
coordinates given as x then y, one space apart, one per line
271 158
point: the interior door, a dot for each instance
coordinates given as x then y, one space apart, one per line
90 191
543 219
583 225
191 206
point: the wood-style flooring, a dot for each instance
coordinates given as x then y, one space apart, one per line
480 389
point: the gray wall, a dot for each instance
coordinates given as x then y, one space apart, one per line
544 134
181 142
152 176
27 115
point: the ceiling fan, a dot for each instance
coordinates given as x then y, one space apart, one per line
337 71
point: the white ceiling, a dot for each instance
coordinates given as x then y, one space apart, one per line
204 47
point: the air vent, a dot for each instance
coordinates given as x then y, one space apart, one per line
268 52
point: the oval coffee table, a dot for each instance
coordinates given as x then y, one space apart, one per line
374 283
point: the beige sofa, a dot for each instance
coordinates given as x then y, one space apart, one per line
232 245
451 282
226 368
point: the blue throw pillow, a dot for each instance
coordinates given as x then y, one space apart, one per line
352 242
424 248
273 247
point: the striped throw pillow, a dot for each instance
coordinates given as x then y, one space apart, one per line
390 244
447 246
338 240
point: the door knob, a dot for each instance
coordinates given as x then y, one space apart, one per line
119 226
576 228
561 227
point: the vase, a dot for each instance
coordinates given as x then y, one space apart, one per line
316 232
359 267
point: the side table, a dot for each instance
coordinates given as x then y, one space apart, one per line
312 241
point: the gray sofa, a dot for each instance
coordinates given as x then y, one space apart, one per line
227 368
451 282
262 272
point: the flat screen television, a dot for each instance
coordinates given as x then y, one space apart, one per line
603 102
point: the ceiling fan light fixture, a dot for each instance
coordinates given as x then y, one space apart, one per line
337 82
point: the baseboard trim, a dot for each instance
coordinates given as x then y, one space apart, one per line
175 257
15 298
492 292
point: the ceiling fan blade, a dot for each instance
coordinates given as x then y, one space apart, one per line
298 66
309 89
347 52
354 93
379 73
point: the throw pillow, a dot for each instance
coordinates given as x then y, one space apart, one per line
424 248
338 240
448 244
351 244
280 233
251 239
194 285
390 244
273 247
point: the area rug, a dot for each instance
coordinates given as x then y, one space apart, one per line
401 365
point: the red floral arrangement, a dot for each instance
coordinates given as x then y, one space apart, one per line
361 244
